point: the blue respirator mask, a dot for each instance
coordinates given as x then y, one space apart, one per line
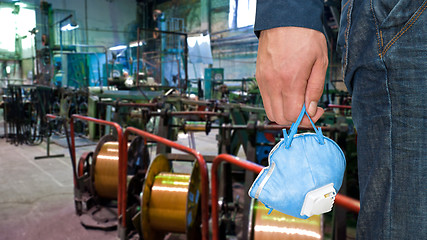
305 173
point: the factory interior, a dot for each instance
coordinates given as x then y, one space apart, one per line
142 119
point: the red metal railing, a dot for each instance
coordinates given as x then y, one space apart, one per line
187 113
202 167
341 200
348 203
339 106
121 193
51 116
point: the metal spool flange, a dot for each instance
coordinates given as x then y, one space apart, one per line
138 156
84 164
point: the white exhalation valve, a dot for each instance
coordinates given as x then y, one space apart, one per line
319 201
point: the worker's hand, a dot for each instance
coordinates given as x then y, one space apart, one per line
290 70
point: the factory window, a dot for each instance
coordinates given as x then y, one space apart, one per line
18 22
242 13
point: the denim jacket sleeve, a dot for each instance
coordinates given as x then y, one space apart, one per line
288 13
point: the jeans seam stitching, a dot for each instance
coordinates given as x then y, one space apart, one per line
391 154
377 29
346 35
343 6
405 28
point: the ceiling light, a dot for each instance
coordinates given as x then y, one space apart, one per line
135 43
118 47
69 27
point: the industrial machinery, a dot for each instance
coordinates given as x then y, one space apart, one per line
96 174
237 126
116 187
24 111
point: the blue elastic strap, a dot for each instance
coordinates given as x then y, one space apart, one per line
270 209
294 129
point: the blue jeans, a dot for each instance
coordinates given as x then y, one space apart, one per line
385 68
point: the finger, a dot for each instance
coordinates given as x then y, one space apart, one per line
319 114
277 110
266 100
293 107
315 85
306 122
293 99
267 107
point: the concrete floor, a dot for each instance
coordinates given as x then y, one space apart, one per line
36 196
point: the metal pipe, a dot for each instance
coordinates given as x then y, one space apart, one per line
348 203
187 113
86 24
339 106
202 127
137 57
280 127
344 201
51 116
197 155
161 31
150 105
185 62
195 102
195 128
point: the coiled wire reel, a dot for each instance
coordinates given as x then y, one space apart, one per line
105 167
277 225
99 170
170 201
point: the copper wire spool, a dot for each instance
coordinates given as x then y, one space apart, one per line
106 170
170 201
105 166
281 226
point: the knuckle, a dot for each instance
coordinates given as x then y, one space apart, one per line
316 89
292 117
270 116
285 73
293 112
325 61
262 75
